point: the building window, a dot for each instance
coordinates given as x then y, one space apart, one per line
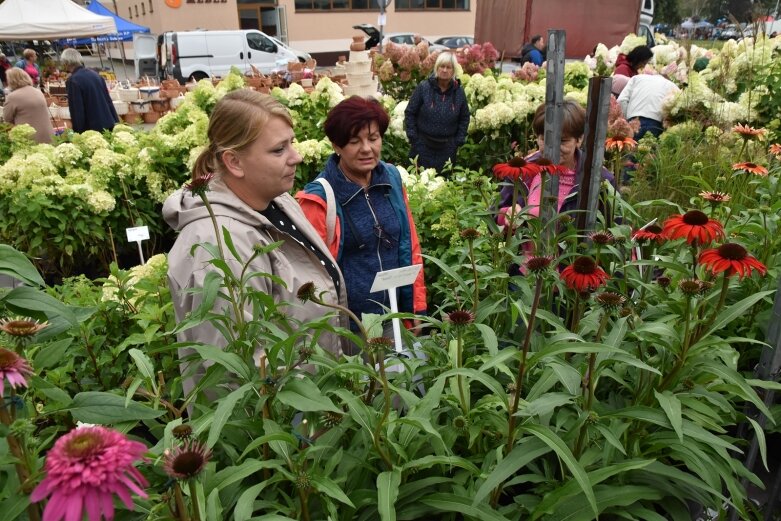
434 5
143 9
136 6
336 5
151 9
130 12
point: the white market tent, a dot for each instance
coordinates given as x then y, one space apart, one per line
50 20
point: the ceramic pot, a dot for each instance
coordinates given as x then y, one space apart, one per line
358 44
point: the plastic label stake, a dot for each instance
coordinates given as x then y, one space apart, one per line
389 280
138 234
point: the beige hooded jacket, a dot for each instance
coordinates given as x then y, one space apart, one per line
291 262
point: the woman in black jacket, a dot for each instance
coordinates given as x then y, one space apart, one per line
437 116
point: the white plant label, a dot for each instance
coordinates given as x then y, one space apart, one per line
139 233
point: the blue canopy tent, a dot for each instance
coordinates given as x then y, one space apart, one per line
125 30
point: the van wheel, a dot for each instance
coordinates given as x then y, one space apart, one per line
198 76
301 60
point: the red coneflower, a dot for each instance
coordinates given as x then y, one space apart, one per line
14 370
200 185
85 469
652 232
693 226
747 132
461 317
715 197
751 168
731 258
775 149
620 143
584 275
516 168
546 165
603 238
186 461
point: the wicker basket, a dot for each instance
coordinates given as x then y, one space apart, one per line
130 94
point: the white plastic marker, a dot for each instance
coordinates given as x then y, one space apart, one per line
138 234
388 281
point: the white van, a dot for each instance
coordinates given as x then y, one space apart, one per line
194 55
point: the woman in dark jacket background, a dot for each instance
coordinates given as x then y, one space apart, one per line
437 116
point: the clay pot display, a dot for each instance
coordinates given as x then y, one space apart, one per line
358 44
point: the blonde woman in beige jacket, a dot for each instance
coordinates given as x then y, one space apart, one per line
251 156
26 104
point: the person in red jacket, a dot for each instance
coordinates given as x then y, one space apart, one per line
628 65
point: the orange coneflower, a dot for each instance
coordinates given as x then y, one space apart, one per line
775 149
731 258
751 168
747 132
620 143
715 197
584 275
693 226
516 168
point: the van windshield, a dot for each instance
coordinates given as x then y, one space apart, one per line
260 43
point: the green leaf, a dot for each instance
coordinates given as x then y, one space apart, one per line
760 433
29 301
107 409
246 502
268 438
51 354
489 338
557 444
143 363
359 411
570 347
736 310
607 496
213 505
492 384
387 491
331 489
230 361
463 506
303 394
231 475
449 461
672 408
524 452
223 412
450 272
16 264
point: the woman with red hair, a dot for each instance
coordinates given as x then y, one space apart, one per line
370 228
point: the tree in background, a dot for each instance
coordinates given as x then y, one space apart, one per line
667 11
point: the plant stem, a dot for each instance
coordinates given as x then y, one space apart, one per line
304 497
474 275
460 377
22 469
265 411
684 347
510 223
194 501
589 386
385 412
522 366
181 509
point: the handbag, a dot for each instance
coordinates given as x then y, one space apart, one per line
330 210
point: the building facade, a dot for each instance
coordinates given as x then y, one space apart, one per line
314 26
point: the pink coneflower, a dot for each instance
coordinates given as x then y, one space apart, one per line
715 197
22 327
186 461
200 185
14 370
85 469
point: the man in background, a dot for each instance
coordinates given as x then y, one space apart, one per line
533 51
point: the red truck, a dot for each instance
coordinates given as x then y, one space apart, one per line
508 24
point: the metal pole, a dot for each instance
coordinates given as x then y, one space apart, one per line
381 22
594 151
554 98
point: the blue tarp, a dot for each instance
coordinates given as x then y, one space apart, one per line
125 28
